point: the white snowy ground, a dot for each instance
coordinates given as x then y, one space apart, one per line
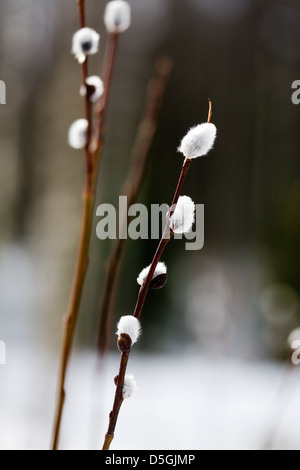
181 403
187 402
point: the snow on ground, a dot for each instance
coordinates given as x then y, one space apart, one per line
188 402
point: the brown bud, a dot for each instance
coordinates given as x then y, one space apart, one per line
124 342
116 380
158 281
90 90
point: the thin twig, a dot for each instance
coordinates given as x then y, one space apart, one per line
167 233
163 242
131 189
139 305
109 60
92 156
209 110
71 316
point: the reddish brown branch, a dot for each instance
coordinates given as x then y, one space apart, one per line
141 299
113 417
163 242
92 162
109 60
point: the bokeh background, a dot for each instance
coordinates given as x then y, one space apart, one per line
213 355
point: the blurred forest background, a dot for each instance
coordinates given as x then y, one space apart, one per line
237 297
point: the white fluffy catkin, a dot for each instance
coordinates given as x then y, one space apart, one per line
293 336
129 386
198 141
117 16
77 135
183 217
85 42
161 268
95 82
130 326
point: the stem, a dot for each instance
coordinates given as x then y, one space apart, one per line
117 401
81 11
84 68
82 258
131 189
143 294
209 110
163 242
92 163
71 316
139 305
88 117
109 60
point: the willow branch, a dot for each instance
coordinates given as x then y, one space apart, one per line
163 242
139 305
92 157
209 111
167 233
97 139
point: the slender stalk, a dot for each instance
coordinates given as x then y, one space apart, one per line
118 398
81 11
167 233
82 258
87 102
209 110
131 189
109 60
88 117
163 242
92 157
139 305
71 317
